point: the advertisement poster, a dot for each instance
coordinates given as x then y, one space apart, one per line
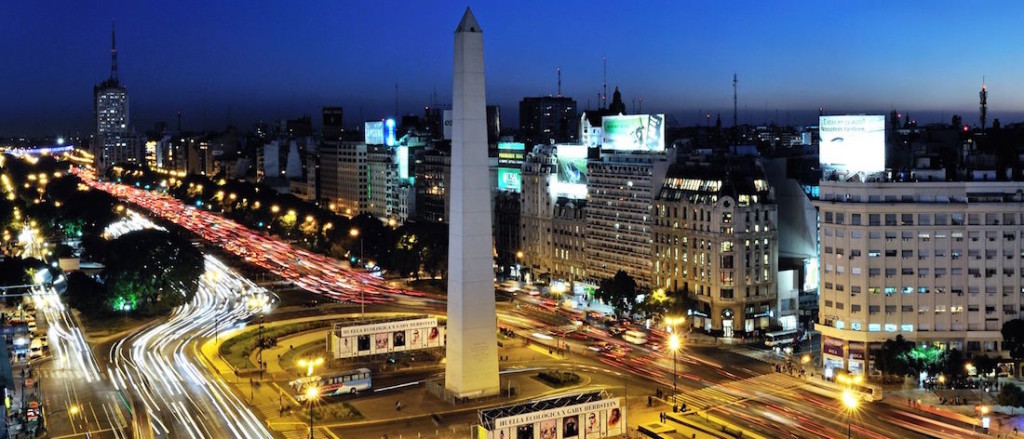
832 346
570 427
852 143
857 350
595 419
640 133
381 342
349 340
572 177
509 179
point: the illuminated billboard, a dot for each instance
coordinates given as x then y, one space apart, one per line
639 132
356 339
572 171
374 133
380 132
511 153
556 418
509 179
852 143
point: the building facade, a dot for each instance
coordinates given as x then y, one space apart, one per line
548 119
715 240
113 142
539 175
343 176
939 263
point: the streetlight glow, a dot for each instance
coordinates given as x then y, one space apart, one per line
312 392
353 233
849 400
673 342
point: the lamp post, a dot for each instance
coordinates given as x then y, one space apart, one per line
311 393
309 364
850 402
362 303
673 344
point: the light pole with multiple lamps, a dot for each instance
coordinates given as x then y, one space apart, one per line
362 303
673 344
311 393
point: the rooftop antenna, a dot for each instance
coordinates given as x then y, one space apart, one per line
179 121
641 99
983 98
735 126
559 81
604 94
113 50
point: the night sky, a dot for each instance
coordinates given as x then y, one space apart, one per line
270 60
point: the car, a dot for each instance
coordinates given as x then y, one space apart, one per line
46 343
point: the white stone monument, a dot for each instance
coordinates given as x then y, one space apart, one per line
472 347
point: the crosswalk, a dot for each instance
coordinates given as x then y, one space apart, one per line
736 391
61 374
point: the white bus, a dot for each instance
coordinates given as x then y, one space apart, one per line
635 337
340 383
781 339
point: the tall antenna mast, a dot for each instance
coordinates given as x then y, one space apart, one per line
113 50
559 81
983 98
735 126
604 94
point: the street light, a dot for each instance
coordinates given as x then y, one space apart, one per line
850 402
673 344
310 364
311 393
362 303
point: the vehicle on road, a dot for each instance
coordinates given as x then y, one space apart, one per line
341 383
781 339
635 337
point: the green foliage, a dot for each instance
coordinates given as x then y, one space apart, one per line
1013 338
159 269
1011 396
895 358
558 378
619 292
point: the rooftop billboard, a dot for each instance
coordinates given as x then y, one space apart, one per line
639 132
572 171
852 143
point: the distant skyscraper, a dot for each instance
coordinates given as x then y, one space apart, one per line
333 123
547 118
113 144
471 368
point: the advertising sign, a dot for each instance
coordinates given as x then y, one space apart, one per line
572 171
511 153
832 346
446 118
374 133
354 340
852 143
640 132
858 350
389 132
596 419
509 179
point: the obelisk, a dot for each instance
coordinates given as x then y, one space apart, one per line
472 346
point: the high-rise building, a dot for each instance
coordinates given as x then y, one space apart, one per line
547 119
333 123
433 175
621 190
343 176
114 142
716 240
935 261
539 176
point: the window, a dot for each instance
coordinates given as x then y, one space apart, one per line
956 309
890 219
874 327
873 309
828 304
890 327
854 254
907 219
840 305
828 218
873 253
855 289
907 308
855 219
854 308
840 218
874 219
906 327
890 253
889 309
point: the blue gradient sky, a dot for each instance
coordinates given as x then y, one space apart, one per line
271 60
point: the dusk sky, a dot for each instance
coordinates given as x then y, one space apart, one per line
273 60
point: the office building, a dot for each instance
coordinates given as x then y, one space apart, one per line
114 141
548 119
343 176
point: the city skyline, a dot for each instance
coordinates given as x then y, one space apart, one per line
215 62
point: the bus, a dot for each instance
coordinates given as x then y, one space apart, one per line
781 339
635 337
340 383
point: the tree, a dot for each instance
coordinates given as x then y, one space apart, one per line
953 363
1013 338
619 292
152 271
985 364
87 295
1010 395
893 358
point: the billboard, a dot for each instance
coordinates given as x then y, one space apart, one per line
639 132
446 120
349 340
511 153
509 179
373 133
589 420
572 171
852 143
